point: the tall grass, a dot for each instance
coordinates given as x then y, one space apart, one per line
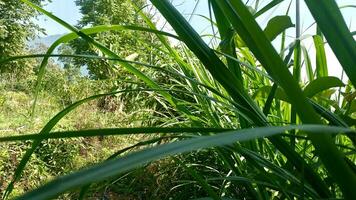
233 99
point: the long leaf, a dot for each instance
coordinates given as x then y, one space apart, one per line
277 25
268 7
109 131
321 62
331 22
321 84
111 168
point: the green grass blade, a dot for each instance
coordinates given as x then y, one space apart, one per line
327 14
297 65
109 132
321 62
277 25
227 43
114 167
270 98
347 6
308 65
267 7
321 84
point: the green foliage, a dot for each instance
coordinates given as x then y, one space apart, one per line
16 28
321 63
58 155
124 43
277 25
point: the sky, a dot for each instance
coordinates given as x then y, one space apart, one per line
66 10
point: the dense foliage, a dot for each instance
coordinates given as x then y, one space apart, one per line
16 28
128 43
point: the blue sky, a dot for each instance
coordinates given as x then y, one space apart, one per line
64 9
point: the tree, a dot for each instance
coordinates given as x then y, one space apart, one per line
16 28
125 43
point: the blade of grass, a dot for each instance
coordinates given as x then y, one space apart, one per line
227 44
321 84
277 25
109 132
308 64
327 14
321 62
114 167
268 7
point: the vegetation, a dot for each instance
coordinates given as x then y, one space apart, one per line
15 29
235 119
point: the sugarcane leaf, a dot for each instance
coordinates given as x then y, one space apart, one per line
320 84
277 25
114 167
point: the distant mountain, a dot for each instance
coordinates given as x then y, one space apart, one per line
46 41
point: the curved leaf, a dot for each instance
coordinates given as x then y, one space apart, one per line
114 167
331 22
277 25
322 83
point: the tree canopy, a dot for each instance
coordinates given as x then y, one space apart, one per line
125 43
16 28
